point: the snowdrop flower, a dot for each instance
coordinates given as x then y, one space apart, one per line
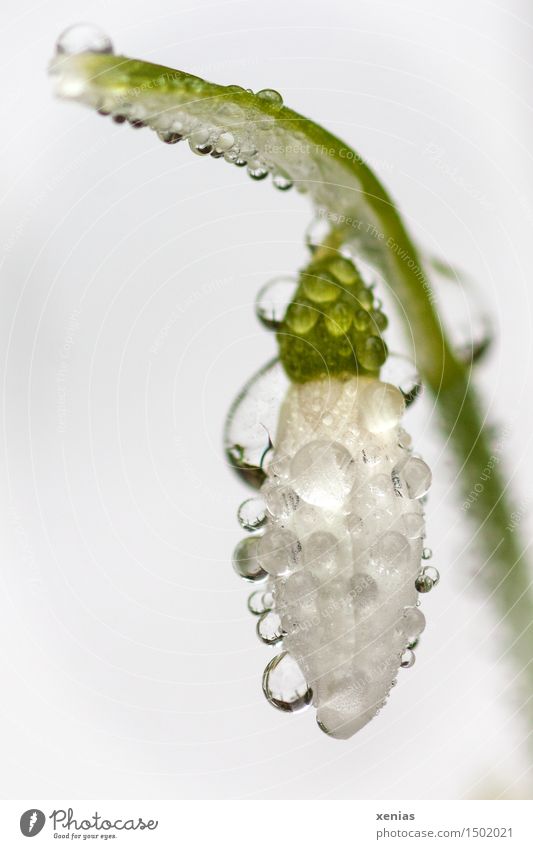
340 551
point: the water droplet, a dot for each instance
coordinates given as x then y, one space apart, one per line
383 406
413 524
83 38
402 372
269 628
464 312
338 319
169 137
423 583
281 501
361 320
405 440
411 625
433 574
301 318
427 554
224 142
232 155
321 287
417 477
251 514
371 352
390 554
284 684
251 418
271 96
273 299
279 552
323 473
200 142
259 602
245 560
257 169
408 659
282 182
345 271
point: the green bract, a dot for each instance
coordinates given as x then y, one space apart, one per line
333 325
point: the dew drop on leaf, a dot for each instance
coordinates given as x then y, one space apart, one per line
83 38
271 96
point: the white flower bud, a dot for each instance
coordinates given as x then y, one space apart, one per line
343 545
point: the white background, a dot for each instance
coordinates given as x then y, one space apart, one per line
129 664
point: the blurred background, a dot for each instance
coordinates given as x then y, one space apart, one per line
130 666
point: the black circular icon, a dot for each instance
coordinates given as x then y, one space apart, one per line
32 822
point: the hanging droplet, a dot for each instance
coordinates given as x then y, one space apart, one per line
252 514
245 560
251 418
433 574
412 624
417 477
259 602
224 142
232 155
463 311
401 372
423 583
427 554
408 659
257 169
269 628
271 96
282 182
284 685
273 299
169 137
83 38
200 142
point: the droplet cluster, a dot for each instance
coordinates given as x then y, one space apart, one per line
222 134
333 324
339 554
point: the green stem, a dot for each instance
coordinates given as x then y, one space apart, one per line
505 568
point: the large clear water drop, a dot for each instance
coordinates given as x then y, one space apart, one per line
273 299
251 421
83 38
284 684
